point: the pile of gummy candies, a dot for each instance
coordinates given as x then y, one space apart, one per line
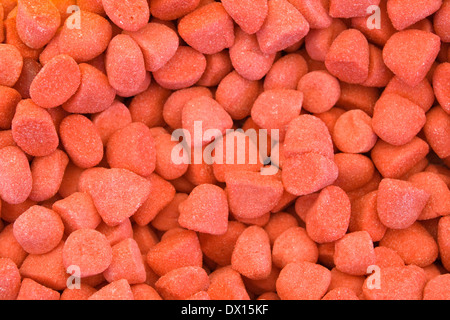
349 201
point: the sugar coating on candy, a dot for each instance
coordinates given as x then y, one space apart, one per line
303 204
421 94
218 65
303 281
205 210
143 291
227 284
81 141
127 263
349 56
165 167
46 269
355 171
181 249
117 290
350 9
329 217
307 133
437 132
38 230
31 290
2 27
308 173
51 50
115 117
95 6
219 248
117 233
132 148
353 132
10 99
441 86
162 193
399 283
10 248
11 67
313 85
69 183
381 118
444 241
29 71
167 218
251 255
247 58
144 85
174 105
437 288
208 29
83 293
88 41
12 37
319 41
249 15
250 194
397 120
182 71
286 72
355 96
440 22
283 27
274 109
237 95
260 221
146 106
145 237
94 94
127 16
47 173
439 202
395 161
33 129
294 245
315 12
285 201
89 250
37 22
182 283
9 280
406 13
387 257
173 9
211 115
354 253
265 285
400 203
410 53
57 81
379 74
364 217
15 175
340 279
158 43
125 66
117 194
341 294
77 211
413 244
6 139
